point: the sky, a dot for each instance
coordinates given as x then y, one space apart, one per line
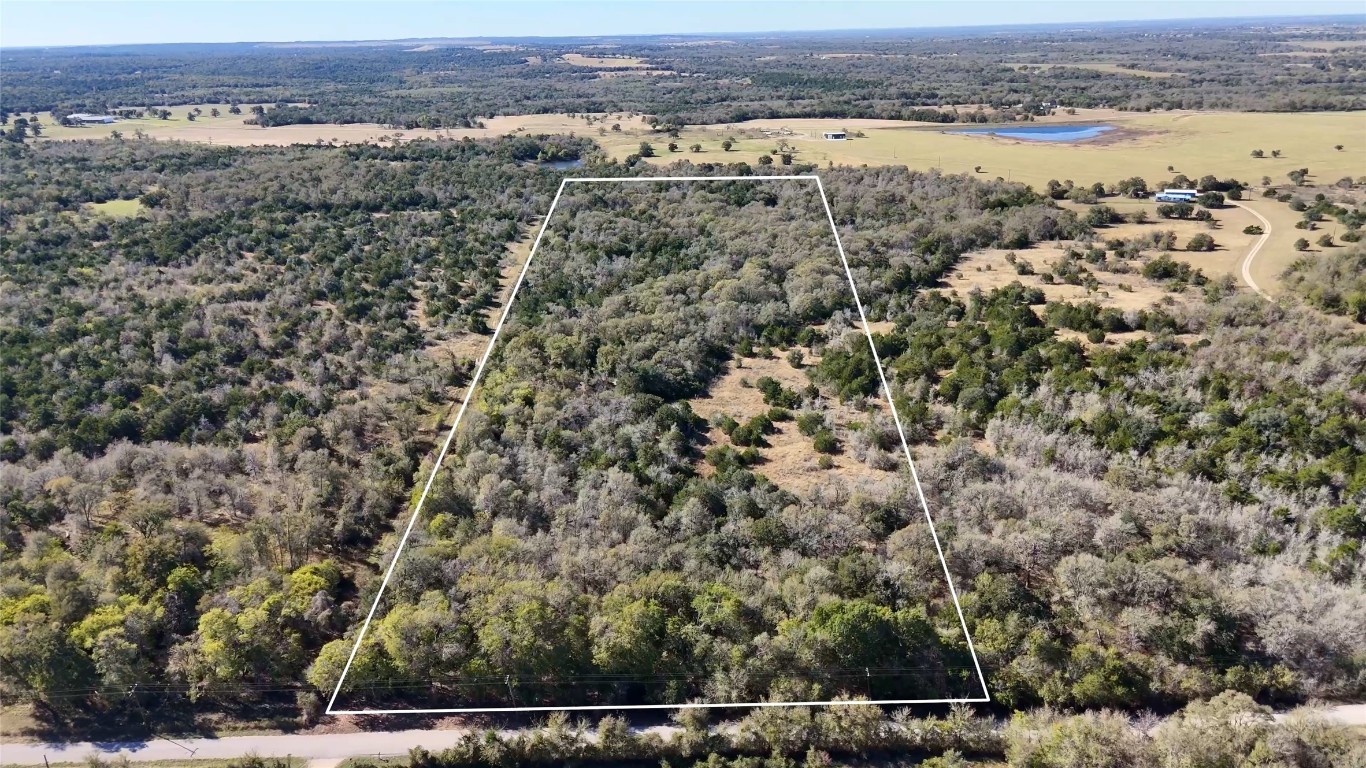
87 22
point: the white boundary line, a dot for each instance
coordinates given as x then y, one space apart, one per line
469 393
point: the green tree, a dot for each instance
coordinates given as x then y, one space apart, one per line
1200 242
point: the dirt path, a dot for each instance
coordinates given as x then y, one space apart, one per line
1252 254
327 750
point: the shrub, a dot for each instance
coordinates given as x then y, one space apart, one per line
1200 242
825 442
1211 200
776 394
810 422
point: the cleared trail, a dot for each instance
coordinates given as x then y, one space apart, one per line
1252 254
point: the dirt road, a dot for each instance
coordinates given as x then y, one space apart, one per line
322 750
1252 254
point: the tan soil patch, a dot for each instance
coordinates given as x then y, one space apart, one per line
463 344
1279 251
1106 67
579 60
1231 245
238 135
790 460
989 270
635 73
1327 45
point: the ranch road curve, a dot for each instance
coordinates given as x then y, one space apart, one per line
327 749
1252 254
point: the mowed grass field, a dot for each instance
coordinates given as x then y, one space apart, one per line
176 124
1193 143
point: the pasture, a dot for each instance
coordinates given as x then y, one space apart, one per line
1146 144
178 125
579 60
1106 67
1155 146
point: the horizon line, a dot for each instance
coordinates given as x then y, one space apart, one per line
377 42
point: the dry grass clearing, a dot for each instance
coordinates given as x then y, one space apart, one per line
1279 251
116 209
790 460
579 60
989 269
463 344
234 133
1327 45
1193 143
1109 68
153 126
1231 244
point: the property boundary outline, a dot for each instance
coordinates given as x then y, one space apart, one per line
469 394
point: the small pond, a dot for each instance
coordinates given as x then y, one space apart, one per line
1042 132
563 165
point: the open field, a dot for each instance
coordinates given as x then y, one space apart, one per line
232 132
789 459
1231 244
117 209
1279 251
154 126
579 60
1193 143
1328 45
1109 68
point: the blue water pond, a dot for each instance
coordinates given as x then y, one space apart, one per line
1042 132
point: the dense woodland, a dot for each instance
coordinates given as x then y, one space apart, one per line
903 75
215 410
216 413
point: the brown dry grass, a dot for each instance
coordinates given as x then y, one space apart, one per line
1231 245
1328 45
989 270
790 460
1279 251
579 60
1107 67
471 346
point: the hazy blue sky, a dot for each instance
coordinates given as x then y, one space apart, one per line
81 22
